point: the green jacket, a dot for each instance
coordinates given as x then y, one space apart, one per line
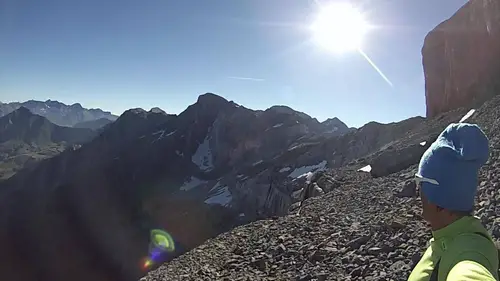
462 254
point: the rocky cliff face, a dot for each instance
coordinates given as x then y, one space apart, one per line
461 58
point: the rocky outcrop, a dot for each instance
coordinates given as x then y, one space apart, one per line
461 58
57 112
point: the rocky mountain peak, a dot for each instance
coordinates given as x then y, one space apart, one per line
133 122
157 110
21 112
139 113
76 106
211 99
334 125
133 112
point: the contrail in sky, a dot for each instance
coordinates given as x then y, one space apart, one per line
246 78
375 67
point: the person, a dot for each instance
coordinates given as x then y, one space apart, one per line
461 248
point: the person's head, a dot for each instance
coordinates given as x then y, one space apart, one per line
448 173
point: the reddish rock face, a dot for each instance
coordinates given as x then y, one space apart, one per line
461 58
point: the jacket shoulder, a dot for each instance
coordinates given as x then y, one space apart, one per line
468 250
467 270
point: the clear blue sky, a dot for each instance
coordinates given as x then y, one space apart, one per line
120 54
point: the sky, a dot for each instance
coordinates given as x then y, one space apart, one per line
121 54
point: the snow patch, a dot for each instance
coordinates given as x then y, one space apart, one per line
192 183
203 156
286 169
308 176
278 125
423 143
305 170
219 195
366 169
179 153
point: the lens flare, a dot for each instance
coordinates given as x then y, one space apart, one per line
162 240
160 243
147 263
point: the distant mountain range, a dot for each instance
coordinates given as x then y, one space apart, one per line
23 125
60 113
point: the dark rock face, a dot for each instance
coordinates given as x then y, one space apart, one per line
461 58
57 112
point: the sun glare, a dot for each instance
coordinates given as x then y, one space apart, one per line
339 27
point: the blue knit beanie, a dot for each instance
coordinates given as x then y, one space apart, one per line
454 160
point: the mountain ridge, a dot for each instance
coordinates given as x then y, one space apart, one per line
58 112
27 138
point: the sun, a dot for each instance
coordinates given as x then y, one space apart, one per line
339 27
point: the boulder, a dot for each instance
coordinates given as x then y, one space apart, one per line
392 161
